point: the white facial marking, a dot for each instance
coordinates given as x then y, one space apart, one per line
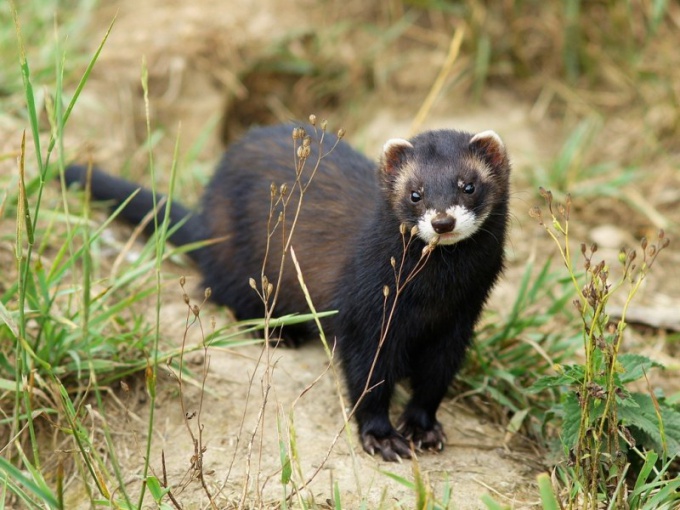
467 223
425 230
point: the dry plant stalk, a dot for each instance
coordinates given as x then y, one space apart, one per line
197 468
282 203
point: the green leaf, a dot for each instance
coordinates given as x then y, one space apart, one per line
571 420
547 494
37 488
337 500
571 374
492 504
286 468
399 479
663 437
635 366
156 489
641 485
6 317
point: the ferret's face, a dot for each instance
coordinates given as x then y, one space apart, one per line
445 182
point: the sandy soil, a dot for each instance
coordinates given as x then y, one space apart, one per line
195 52
250 406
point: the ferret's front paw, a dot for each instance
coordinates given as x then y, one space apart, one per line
392 447
431 439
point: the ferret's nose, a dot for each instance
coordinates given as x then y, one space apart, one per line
442 223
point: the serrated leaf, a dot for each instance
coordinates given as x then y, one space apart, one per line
646 421
547 382
635 366
571 420
571 374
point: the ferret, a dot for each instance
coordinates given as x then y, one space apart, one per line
407 252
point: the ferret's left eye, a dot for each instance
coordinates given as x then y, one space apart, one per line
416 196
469 189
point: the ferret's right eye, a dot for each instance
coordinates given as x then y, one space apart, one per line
416 196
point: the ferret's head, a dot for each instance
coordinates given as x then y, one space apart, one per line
447 183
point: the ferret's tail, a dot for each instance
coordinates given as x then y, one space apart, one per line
116 190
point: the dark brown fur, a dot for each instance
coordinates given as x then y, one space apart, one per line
348 230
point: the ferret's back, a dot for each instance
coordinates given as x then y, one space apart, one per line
343 193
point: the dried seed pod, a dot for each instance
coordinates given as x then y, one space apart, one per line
414 230
535 212
386 291
568 206
208 292
182 280
251 282
402 229
341 133
312 119
393 262
324 125
562 211
547 195
596 390
303 151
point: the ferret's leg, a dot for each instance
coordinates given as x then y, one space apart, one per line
372 409
433 371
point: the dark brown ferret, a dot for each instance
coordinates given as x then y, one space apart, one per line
436 206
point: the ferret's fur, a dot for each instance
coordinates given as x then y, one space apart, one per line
354 222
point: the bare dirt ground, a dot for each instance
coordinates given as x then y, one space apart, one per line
195 52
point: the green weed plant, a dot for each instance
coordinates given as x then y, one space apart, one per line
610 434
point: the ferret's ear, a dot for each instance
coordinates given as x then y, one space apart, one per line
490 147
395 153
